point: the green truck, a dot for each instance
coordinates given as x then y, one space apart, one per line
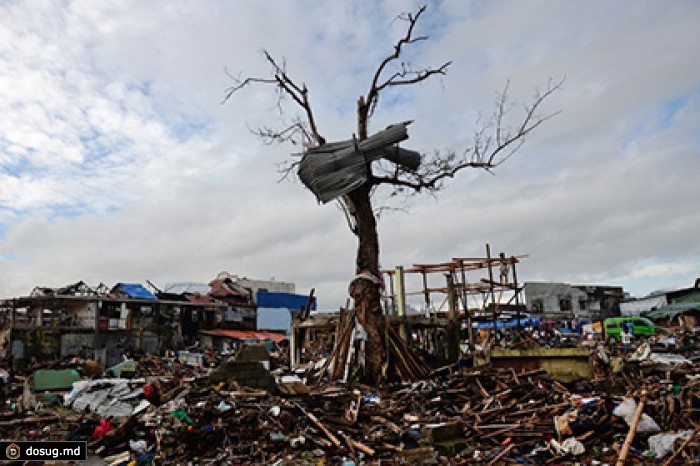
640 326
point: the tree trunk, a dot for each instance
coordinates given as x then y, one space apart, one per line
365 292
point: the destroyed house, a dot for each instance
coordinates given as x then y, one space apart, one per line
562 301
225 340
681 314
225 310
101 323
685 295
679 308
108 322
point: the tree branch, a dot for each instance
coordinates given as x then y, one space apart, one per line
429 182
285 86
405 76
531 121
418 76
287 133
494 141
287 168
349 216
494 144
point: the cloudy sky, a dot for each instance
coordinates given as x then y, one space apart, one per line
118 161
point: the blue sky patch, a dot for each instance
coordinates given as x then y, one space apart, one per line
8 256
656 120
185 130
671 108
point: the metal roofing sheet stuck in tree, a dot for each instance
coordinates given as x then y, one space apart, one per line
336 168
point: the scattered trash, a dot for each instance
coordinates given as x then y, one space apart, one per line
125 369
182 416
102 429
222 406
573 446
662 444
139 446
213 413
626 411
46 379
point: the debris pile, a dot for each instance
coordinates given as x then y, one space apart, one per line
640 408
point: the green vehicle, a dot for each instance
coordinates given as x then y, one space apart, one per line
640 326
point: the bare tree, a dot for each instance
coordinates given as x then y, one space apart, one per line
494 142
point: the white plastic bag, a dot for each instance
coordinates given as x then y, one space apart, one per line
662 443
626 411
573 446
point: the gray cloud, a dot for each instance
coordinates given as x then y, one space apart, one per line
118 162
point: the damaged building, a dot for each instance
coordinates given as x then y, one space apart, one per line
107 323
562 301
678 308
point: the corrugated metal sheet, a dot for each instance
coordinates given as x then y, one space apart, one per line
672 310
186 287
223 288
335 169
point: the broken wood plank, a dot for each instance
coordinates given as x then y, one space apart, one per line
501 454
362 447
633 430
334 440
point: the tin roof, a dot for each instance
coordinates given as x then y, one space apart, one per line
186 287
246 334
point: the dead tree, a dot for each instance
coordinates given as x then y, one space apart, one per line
494 142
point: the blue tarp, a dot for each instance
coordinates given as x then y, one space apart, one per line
525 322
136 291
512 323
291 301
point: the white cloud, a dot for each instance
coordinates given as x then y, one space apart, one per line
656 270
117 161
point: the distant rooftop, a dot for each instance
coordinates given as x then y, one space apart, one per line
187 287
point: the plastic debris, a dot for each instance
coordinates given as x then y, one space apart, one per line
182 416
662 443
223 406
139 446
626 411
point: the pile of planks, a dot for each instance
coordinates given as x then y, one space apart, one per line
346 359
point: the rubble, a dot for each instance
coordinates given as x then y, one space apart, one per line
170 411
